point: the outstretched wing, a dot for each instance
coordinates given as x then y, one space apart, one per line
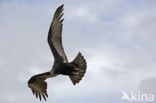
38 85
55 36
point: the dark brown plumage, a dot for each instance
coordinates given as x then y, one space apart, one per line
75 69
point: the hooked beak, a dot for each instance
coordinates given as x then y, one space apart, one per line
52 71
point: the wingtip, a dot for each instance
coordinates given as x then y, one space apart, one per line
61 6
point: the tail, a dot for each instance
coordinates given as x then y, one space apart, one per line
80 68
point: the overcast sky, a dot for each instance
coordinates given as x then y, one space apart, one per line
117 38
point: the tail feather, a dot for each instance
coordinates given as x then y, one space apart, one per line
80 67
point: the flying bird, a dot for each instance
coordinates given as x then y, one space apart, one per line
75 69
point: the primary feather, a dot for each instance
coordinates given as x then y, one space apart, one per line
38 84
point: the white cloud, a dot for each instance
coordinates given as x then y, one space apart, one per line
79 13
116 38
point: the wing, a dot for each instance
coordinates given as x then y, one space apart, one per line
55 36
38 85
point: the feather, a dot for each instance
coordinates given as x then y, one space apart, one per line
55 36
38 85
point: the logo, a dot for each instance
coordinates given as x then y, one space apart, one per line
137 96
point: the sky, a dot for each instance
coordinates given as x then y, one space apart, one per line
116 37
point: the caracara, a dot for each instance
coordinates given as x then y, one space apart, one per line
75 69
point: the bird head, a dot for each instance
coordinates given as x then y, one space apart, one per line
53 70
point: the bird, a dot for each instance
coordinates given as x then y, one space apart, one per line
75 69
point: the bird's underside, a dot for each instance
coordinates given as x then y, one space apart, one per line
75 69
